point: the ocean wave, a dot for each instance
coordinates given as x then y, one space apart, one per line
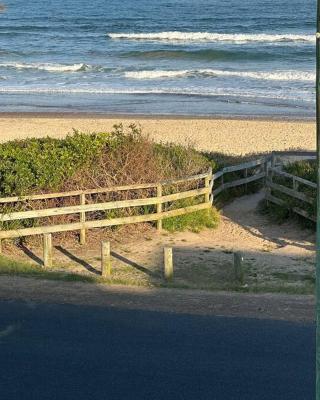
48 67
176 36
270 76
173 91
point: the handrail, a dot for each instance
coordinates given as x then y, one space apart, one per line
111 205
74 193
81 209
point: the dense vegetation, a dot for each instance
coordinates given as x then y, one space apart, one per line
82 161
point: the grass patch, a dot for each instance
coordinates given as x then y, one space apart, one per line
193 222
19 268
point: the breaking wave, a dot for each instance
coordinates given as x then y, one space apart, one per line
176 36
48 67
271 76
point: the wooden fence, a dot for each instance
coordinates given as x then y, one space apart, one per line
289 184
208 186
202 192
292 192
259 168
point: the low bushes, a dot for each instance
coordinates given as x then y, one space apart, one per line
86 161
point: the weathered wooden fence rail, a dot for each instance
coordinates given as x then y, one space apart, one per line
261 162
292 192
270 166
202 193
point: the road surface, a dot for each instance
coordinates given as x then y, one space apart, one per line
57 351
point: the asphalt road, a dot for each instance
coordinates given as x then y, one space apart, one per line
80 352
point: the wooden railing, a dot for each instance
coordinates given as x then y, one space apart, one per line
203 193
261 162
211 185
292 192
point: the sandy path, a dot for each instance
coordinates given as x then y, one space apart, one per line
221 135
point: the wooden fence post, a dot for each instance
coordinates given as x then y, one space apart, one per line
273 160
238 268
105 259
168 263
269 176
47 250
0 246
211 186
82 219
208 180
266 170
159 207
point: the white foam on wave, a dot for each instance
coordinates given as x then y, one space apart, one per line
275 75
177 36
47 67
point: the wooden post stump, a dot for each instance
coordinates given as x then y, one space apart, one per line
47 250
105 259
238 266
168 263
207 183
83 219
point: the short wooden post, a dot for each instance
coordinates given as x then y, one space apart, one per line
159 207
295 184
105 259
168 263
0 246
269 177
212 186
47 250
238 267
82 219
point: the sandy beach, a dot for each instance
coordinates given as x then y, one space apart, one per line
232 136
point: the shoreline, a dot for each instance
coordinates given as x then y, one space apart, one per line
126 116
227 135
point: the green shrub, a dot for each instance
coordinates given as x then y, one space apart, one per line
194 221
85 161
34 165
177 159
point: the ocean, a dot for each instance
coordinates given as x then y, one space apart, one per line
168 57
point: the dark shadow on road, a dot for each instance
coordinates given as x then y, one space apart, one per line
78 260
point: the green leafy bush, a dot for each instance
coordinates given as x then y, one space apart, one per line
86 161
34 165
